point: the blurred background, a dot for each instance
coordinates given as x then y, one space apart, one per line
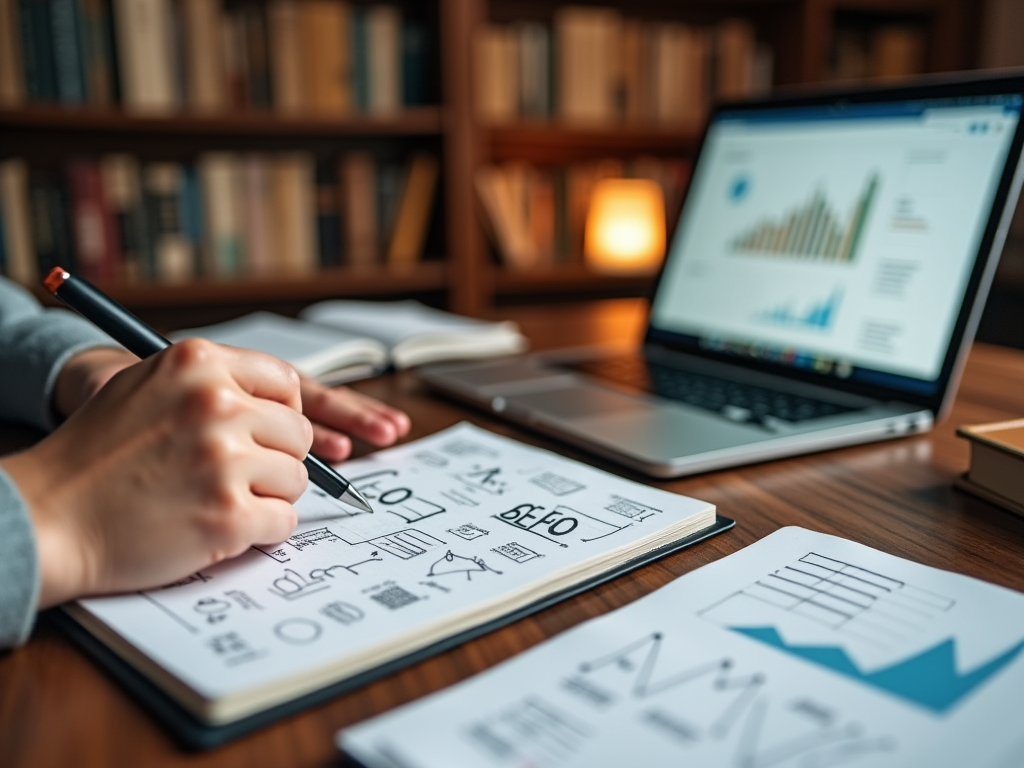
199 159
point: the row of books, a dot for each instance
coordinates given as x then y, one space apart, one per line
226 215
594 66
321 57
537 215
887 52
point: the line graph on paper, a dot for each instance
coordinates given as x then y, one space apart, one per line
862 604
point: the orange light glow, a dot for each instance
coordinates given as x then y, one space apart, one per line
625 227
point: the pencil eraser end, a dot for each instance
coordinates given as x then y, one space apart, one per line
55 279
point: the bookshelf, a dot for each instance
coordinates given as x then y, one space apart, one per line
458 265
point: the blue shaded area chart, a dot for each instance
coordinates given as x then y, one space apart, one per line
818 316
929 679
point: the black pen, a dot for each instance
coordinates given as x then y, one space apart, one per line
138 338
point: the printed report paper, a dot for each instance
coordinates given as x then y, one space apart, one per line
800 650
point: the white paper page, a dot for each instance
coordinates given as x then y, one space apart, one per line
394 322
461 517
802 650
311 349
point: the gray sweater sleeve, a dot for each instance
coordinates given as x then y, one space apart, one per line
34 345
19 571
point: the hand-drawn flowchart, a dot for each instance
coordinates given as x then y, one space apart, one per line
460 518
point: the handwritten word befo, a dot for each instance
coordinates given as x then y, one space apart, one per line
530 516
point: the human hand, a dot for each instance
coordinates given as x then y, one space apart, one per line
339 412
336 412
179 461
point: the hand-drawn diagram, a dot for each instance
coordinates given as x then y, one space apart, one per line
399 500
298 631
243 599
318 574
452 563
532 731
407 543
343 613
460 446
431 459
301 541
634 510
233 649
486 479
294 585
213 609
395 597
556 484
727 703
468 531
554 524
516 552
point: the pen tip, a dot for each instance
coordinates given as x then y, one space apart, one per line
354 498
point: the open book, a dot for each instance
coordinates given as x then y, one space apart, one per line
338 341
470 531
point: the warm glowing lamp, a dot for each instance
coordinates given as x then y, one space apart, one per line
625 226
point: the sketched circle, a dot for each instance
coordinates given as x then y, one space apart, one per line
298 631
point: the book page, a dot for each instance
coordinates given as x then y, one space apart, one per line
465 521
394 322
800 650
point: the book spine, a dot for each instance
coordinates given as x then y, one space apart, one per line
21 262
173 255
122 190
413 219
327 35
359 199
37 49
495 86
204 66
257 56
415 57
190 208
390 181
295 219
384 70
94 227
69 62
285 40
258 232
328 214
146 65
219 177
97 52
12 74
360 61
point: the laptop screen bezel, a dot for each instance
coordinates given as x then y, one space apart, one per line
984 261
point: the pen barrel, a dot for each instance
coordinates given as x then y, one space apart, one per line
324 477
110 317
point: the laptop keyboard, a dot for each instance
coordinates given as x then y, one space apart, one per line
736 401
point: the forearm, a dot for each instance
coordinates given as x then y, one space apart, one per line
19 567
35 345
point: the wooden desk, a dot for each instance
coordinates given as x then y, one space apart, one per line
56 708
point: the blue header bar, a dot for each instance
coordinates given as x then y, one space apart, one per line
900 110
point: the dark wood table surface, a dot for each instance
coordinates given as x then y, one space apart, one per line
57 708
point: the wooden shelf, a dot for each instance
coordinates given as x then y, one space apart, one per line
568 279
551 142
409 122
326 284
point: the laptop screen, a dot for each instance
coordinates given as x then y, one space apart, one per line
838 239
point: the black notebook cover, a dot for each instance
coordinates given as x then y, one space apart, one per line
192 733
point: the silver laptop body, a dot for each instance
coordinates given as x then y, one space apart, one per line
822 287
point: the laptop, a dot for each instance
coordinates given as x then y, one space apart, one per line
822 287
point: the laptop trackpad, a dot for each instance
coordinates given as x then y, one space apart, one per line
633 426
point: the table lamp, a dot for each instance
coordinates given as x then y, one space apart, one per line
625 232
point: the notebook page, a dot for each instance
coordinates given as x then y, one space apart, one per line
463 519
